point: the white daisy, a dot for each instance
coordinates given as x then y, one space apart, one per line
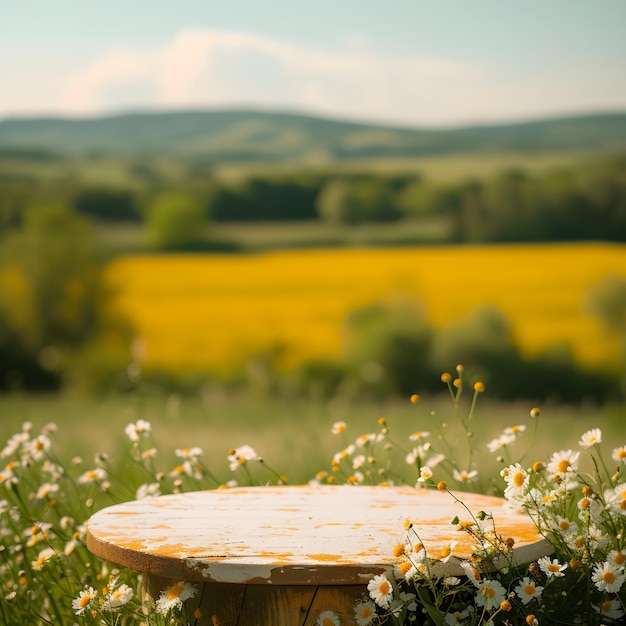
240 456
471 572
81 604
610 608
616 498
516 479
425 474
343 454
14 443
496 444
617 557
608 577
174 596
189 453
551 567
91 476
147 490
563 462
364 613
490 594
140 428
338 427
464 476
358 461
419 435
380 590
566 525
458 617
328 618
512 431
405 570
119 596
46 489
619 454
37 447
527 590
590 438
43 557
446 552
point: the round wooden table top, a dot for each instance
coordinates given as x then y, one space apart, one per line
309 535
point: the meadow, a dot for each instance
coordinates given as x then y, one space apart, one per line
292 434
213 312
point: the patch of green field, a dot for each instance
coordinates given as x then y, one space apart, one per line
130 238
437 168
294 435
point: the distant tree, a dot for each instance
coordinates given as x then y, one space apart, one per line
266 199
357 201
388 348
107 204
176 221
607 300
53 297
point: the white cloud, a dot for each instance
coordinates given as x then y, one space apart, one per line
209 68
215 68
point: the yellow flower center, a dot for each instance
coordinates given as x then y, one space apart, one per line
398 549
84 601
518 479
608 577
366 612
621 454
490 592
554 567
564 524
328 622
563 465
384 588
174 592
445 551
606 605
529 589
620 557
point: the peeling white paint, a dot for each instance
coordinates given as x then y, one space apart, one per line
266 534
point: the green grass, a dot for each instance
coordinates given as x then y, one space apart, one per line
448 168
292 434
127 238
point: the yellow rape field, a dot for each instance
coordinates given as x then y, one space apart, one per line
214 311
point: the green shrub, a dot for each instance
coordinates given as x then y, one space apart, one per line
176 221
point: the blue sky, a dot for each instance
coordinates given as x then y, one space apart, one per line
401 62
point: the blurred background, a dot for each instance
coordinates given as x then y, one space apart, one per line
236 216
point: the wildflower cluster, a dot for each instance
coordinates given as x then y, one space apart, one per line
47 574
581 513
575 498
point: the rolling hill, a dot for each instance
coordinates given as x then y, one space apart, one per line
231 135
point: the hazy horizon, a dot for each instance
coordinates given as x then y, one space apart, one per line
407 63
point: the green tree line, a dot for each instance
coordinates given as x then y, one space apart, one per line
584 202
